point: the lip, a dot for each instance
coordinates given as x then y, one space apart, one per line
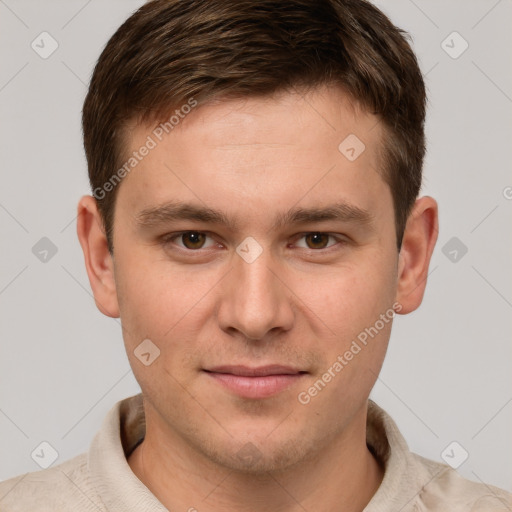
255 382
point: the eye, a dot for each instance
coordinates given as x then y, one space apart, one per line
317 240
191 240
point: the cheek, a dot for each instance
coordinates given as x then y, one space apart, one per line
354 342
347 299
168 307
153 296
159 307
349 303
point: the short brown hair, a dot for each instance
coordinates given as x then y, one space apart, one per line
169 51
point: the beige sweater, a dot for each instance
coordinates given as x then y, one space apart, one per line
102 481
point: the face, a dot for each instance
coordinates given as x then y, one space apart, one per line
261 261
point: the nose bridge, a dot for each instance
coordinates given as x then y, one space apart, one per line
255 302
256 283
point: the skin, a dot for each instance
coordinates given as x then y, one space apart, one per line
300 303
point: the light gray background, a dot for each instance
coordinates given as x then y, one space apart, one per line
447 373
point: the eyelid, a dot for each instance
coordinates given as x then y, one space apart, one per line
335 236
171 237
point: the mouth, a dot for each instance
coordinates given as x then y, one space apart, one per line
255 382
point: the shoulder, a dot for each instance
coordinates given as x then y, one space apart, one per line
63 487
446 487
413 483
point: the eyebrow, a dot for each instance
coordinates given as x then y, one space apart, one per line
176 210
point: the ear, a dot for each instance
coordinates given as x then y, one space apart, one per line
418 243
98 260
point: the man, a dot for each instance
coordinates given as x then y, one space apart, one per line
255 223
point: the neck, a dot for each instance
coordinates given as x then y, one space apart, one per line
343 476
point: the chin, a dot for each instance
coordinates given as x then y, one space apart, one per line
258 457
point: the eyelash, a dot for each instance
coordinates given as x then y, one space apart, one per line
168 239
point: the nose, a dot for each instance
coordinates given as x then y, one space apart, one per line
254 300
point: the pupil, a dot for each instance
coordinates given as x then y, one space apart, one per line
193 240
318 239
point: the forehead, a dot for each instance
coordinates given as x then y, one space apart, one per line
256 155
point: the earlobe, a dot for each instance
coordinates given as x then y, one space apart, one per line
418 244
98 260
